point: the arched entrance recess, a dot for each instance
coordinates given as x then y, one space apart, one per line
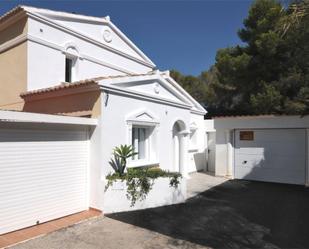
180 137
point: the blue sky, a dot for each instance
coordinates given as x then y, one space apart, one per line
182 35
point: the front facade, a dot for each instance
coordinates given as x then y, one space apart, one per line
104 92
158 120
73 65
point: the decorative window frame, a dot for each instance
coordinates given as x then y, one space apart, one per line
144 119
71 51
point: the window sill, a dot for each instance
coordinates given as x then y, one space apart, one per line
142 163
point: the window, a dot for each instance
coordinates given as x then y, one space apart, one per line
69 64
142 134
140 142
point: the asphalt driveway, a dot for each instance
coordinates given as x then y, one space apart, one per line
234 214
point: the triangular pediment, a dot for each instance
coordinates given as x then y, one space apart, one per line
105 34
142 116
157 85
100 29
154 88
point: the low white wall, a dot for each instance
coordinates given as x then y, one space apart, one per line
209 125
161 194
196 153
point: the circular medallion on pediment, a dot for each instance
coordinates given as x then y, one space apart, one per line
107 35
157 88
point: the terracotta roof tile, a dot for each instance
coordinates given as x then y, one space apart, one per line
63 85
66 85
10 13
248 116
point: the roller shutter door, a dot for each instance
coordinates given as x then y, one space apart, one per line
271 155
43 176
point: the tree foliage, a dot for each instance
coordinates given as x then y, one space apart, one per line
267 75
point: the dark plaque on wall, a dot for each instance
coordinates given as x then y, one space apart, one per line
246 135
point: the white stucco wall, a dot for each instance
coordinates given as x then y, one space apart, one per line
96 31
115 200
209 125
113 130
46 67
197 155
46 57
116 132
148 88
96 182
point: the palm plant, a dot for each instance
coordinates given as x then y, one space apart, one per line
121 154
117 165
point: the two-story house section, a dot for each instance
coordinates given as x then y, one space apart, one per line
41 48
62 63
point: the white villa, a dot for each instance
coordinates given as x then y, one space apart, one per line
82 66
72 87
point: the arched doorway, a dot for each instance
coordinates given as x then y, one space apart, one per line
179 146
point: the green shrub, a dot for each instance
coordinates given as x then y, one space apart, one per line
140 181
120 156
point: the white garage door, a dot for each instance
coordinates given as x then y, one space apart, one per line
42 176
272 155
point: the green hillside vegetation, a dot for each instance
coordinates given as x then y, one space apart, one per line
267 75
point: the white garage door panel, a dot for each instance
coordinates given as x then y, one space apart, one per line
275 155
278 148
43 176
272 161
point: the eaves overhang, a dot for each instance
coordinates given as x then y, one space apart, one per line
27 117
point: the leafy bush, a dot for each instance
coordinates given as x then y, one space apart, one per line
139 181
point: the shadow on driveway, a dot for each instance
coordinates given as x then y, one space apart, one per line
235 214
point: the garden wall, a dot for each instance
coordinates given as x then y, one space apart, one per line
161 194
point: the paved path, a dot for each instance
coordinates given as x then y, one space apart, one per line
106 233
200 182
109 233
233 214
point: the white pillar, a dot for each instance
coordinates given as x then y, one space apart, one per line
183 158
206 148
229 145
